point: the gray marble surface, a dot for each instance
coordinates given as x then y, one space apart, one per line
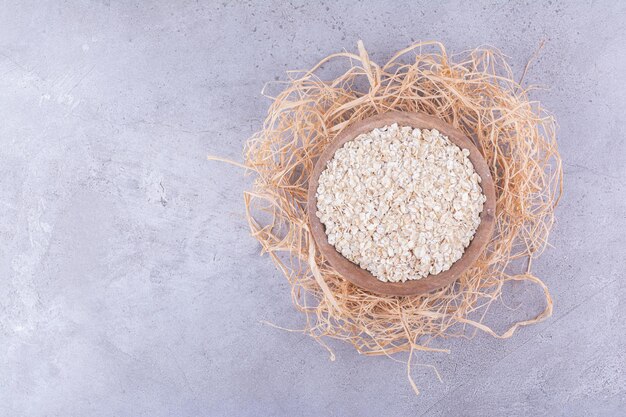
130 285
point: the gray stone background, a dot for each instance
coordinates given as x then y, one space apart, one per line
130 284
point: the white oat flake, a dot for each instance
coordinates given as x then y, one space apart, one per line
400 202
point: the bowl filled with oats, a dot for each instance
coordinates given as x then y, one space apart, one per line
401 203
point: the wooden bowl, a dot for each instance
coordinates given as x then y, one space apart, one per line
364 278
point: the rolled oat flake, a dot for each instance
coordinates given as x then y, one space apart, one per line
400 202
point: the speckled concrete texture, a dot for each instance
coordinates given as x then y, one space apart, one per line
130 284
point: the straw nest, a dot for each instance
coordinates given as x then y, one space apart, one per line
474 92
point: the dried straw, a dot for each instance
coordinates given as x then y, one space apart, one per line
476 93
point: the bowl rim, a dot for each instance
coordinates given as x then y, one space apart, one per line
364 278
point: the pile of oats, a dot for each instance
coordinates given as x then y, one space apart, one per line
400 202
